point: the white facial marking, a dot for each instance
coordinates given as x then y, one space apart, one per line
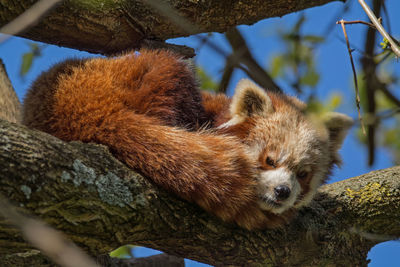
235 120
268 181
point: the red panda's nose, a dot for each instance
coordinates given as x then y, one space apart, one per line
282 192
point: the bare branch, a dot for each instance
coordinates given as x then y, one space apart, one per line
354 75
379 27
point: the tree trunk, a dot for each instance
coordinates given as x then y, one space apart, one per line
101 204
10 107
114 26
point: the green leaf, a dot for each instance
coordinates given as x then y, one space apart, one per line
383 102
315 106
206 82
27 60
391 137
124 252
315 39
311 78
385 43
277 66
334 102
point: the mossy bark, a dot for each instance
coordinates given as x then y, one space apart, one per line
100 204
113 26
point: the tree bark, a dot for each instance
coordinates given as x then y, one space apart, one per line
113 26
82 190
10 107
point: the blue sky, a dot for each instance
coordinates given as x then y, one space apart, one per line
332 62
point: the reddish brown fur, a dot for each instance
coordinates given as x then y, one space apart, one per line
133 104
147 109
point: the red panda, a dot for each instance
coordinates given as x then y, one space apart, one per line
253 159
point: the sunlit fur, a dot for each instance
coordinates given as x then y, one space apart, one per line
203 147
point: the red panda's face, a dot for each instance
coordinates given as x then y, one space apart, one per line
294 153
293 159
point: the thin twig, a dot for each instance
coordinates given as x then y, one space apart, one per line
379 27
354 76
357 22
365 23
28 19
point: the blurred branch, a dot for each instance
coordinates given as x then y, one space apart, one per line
388 114
51 242
371 83
383 115
241 54
226 76
28 19
389 94
386 12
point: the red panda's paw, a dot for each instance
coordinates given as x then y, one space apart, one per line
230 184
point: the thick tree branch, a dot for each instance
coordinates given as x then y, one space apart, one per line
160 260
10 107
101 204
114 26
49 241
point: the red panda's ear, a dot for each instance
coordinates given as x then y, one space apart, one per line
249 100
337 124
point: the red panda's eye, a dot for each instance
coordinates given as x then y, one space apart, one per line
302 174
270 162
